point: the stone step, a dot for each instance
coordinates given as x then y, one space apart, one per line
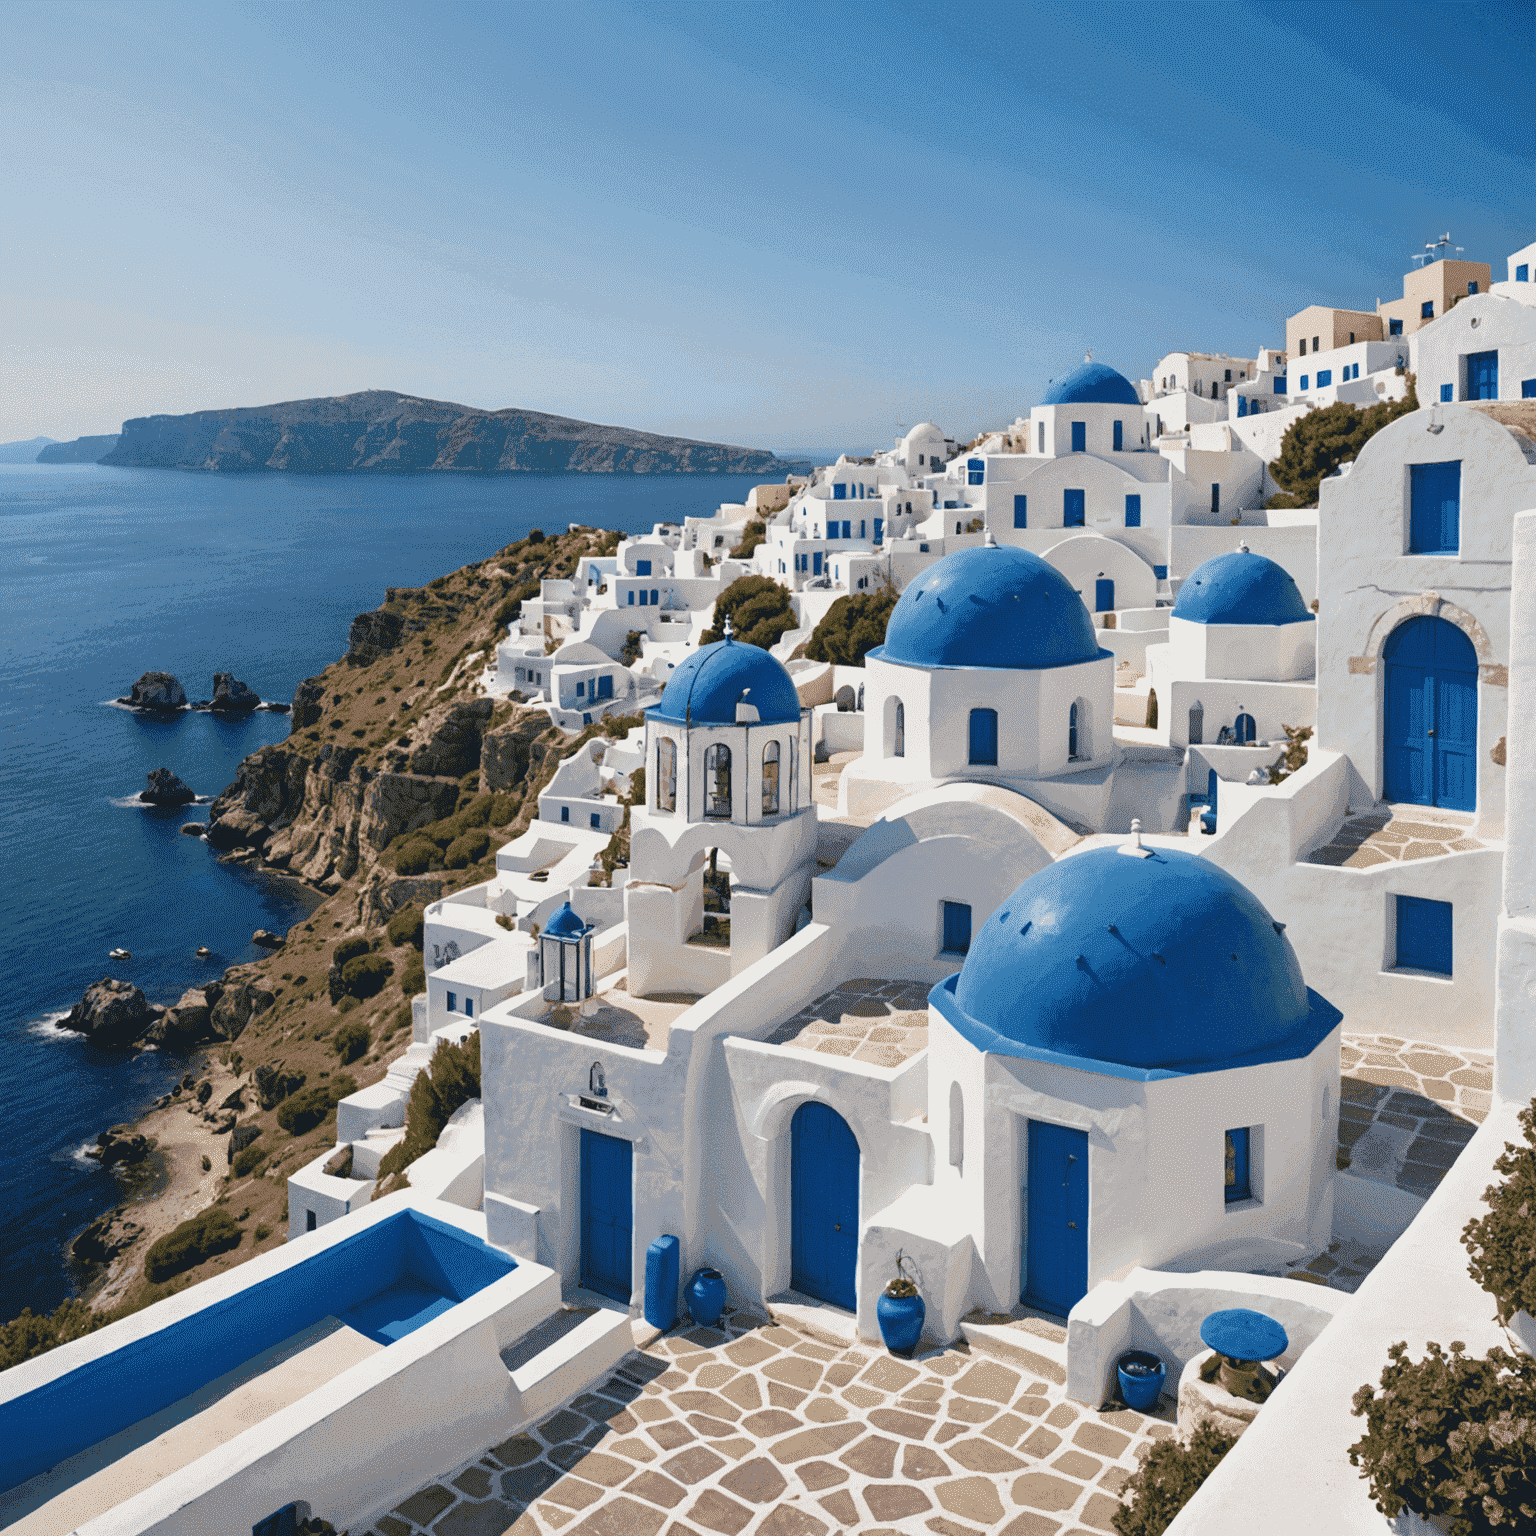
815 1319
565 1355
1026 1339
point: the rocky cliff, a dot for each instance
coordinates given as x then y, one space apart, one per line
381 430
84 450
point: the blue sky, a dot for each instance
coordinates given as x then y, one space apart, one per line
789 225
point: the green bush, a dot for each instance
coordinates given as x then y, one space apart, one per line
1167 1481
629 652
1503 1243
852 628
413 978
351 1040
248 1162
349 949
405 927
468 849
760 611
754 534
209 1232
1316 444
302 1112
1452 1437
345 1004
451 1079
415 855
365 975
30 1334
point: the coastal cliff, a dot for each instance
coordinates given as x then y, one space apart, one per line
84 450
379 430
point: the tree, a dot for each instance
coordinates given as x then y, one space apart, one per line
853 627
760 611
1316 444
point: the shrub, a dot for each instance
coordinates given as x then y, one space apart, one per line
263 1232
1167 1481
209 1232
1453 1437
207 1163
414 856
30 1333
629 652
852 628
1317 443
468 849
405 927
352 1039
365 975
504 807
1503 1243
248 1162
754 534
345 1005
413 978
349 949
760 611
1294 756
452 1079
302 1112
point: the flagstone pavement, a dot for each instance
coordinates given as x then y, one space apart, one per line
754 1429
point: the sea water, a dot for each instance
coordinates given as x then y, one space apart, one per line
109 573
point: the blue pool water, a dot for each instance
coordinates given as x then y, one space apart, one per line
108 573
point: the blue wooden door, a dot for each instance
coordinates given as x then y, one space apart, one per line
1429 738
983 742
1483 376
824 1206
1103 595
1056 1225
1073 508
607 1215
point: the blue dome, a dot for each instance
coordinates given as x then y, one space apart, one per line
564 924
1240 588
990 607
1092 384
1162 964
706 688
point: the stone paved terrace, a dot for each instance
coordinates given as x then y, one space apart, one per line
1396 832
758 1430
885 1022
643 1023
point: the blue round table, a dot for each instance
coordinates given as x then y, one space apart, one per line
1243 1338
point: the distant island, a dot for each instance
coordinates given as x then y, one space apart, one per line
84 450
24 452
379 430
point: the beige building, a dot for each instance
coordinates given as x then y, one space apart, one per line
1430 291
1320 329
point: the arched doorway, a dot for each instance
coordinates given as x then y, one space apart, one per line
1429 729
824 1206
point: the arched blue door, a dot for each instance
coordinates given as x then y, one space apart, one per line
824 1206
1243 729
1429 736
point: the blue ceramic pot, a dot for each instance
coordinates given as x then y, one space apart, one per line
901 1321
706 1297
1141 1379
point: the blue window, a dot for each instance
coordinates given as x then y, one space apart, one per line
453 1002
1242 406
816 563
1394 327
1472 286
586 719
1483 376
1118 436
1073 508
655 597
1239 1184
1279 383
642 567
1103 595
581 689
1133 511
631 597
1434 519
862 523
1528 389
597 821
975 471
848 528
839 492
1427 310
957 928
469 1007
1072 734
1161 572
1423 935
1324 377
605 686
1215 496
1079 436
984 737
565 813
879 530
1445 391
1305 380
1021 511
1523 273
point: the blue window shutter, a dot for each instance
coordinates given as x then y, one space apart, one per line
839 492
1133 511
1324 378
957 927
597 820
1021 506
565 813
1279 383
453 1002
1424 930
1073 508
1528 389
655 597
1427 310
1434 517
862 522
1305 380
1079 437
984 736
1242 405
816 563
1394 327
1161 572
1215 496
1118 435
631 597
1523 273
879 530
1445 391
1238 1183
642 567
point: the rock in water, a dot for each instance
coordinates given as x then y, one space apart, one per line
193 829
164 788
265 940
232 696
157 690
186 1022
111 1013
121 1144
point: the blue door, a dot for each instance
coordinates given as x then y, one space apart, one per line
1243 730
1483 376
957 927
824 1206
1056 1201
1103 595
1079 436
1021 511
1133 511
607 1215
1429 745
816 563
984 736
1073 507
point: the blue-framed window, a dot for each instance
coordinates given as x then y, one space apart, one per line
1528 389
1427 310
1280 383
879 530
597 820
565 813
1523 272
1239 1182
1119 435
1324 377
1434 512
469 1007
581 690
1215 496
642 567
1079 437
453 1002
1133 511
957 927
975 471
605 686
1160 572
863 524
1021 511
983 741
816 563
1445 392
1305 380
1074 508
839 492
1472 286
1242 405
1394 327
1424 931
631 597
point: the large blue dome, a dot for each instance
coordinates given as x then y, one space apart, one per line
994 606
1092 384
706 688
1162 963
1240 588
